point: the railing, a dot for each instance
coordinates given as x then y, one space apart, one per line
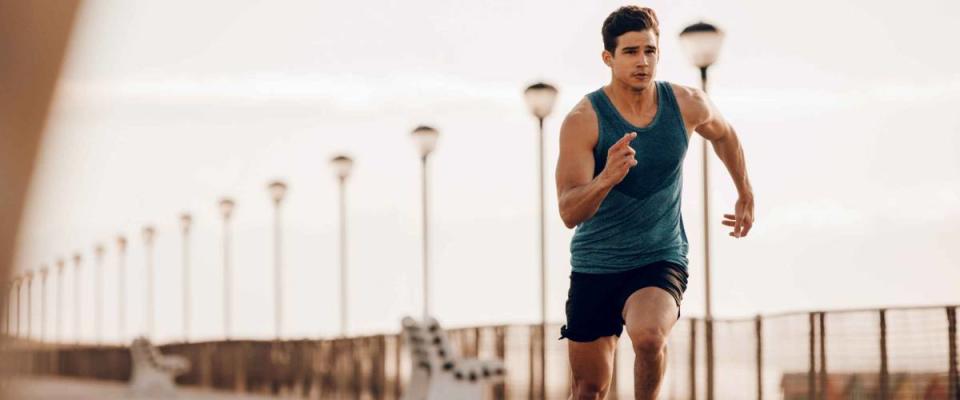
897 353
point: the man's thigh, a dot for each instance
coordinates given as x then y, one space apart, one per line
650 310
592 362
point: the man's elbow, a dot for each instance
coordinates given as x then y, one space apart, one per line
568 220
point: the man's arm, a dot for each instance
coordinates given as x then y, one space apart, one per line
579 192
713 127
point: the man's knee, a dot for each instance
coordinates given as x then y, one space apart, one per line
588 390
647 342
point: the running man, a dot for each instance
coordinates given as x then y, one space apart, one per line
619 178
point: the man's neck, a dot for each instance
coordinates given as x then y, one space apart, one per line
632 100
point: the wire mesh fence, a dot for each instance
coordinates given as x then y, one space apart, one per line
904 353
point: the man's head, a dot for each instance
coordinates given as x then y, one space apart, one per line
631 38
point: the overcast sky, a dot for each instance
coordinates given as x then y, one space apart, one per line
846 112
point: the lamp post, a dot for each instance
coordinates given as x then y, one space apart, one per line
60 267
425 138
149 233
277 191
185 221
226 211
44 270
540 98
77 262
29 280
701 42
98 293
121 287
18 285
342 165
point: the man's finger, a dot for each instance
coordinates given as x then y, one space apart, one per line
746 228
738 227
729 216
728 223
625 140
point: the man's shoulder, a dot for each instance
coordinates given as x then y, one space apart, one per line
693 102
581 116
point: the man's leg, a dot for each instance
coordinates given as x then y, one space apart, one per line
650 314
592 367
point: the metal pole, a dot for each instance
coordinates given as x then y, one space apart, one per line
121 289
76 299
343 258
186 283
277 272
759 329
60 266
693 359
953 383
149 291
811 373
706 252
426 239
543 269
98 296
822 387
18 304
226 277
29 305
43 304
884 372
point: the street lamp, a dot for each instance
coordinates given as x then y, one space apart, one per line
121 287
342 165
77 260
44 270
185 221
226 211
98 293
277 191
29 278
540 98
18 285
702 42
60 267
425 138
149 233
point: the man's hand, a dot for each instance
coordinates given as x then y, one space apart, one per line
743 220
620 158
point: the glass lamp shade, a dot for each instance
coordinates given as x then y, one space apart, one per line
148 233
701 42
277 190
426 139
121 242
341 166
185 221
226 207
540 98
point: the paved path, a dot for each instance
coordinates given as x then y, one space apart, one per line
50 388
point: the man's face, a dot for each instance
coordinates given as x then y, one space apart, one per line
635 61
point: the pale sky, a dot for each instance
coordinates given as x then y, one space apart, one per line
846 112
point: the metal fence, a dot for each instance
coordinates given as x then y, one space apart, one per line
890 354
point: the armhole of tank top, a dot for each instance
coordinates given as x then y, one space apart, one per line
676 108
593 98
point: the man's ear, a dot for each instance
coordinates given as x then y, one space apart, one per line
607 58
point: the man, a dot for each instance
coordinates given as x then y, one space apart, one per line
619 178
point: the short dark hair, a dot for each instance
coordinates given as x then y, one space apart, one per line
628 19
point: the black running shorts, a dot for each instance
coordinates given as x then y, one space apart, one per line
595 301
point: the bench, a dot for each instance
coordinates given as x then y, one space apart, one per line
153 373
438 372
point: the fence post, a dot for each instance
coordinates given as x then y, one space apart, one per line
693 359
500 390
532 339
884 374
811 373
758 323
823 357
953 386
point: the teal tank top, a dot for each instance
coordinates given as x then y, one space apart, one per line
639 221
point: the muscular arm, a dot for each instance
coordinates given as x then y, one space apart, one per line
579 192
701 115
